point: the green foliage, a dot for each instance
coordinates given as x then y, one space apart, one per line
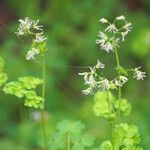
67 126
32 100
74 131
30 82
125 106
125 136
101 106
42 46
122 71
14 88
81 141
106 145
22 88
3 76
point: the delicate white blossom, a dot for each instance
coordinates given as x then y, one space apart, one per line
89 80
103 38
108 47
39 38
105 43
87 91
111 28
104 85
120 18
127 26
99 65
103 20
124 34
36 26
32 53
139 75
120 81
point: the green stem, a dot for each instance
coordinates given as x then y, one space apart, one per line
108 101
119 88
109 107
42 109
69 141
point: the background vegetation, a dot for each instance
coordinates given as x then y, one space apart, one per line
71 27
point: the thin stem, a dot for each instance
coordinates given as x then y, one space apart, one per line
108 101
119 88
109 107
42 109
69 141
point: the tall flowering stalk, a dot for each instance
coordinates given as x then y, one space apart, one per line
123 135
32 29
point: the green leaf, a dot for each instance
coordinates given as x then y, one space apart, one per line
66 126
122 71
81 141
3 78
32 100
125 106
56 141
101 106
14 88
125 136
30 82
42 47
106 145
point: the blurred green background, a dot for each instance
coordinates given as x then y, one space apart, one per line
71 27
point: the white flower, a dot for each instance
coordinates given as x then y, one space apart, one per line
39 38
108 47
91 81
99 65
120 81
139 75
87 91
104 42
103 20
116 41
93 70
32 53
111 28
36 26
123 34
104 85
103 38
120 18
24 27
127 26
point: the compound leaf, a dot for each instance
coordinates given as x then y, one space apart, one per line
101 106
30 82
14 88
66 126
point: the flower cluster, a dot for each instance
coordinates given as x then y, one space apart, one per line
96 82
33 29
109 39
